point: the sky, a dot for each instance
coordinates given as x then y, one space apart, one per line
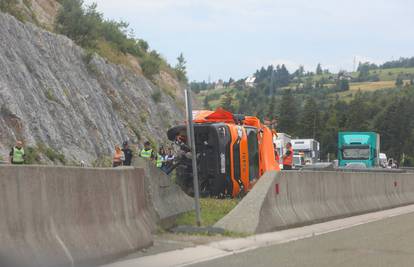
233 38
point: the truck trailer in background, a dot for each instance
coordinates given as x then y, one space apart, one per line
309 148
358 148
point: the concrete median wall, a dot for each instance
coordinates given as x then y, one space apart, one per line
55 216
166 199
287 199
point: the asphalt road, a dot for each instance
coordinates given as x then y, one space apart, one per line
388 242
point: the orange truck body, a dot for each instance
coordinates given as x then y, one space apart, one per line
241 178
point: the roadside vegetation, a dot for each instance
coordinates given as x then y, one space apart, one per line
19 11
212 210
37 154
113 40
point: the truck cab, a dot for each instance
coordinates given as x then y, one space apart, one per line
309 148
358 147
299 161
232 152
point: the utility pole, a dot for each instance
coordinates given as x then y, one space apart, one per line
354 69
191 143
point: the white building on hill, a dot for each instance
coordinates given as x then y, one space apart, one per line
250 81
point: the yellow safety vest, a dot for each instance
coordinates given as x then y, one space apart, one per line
146 153
159 161
18 155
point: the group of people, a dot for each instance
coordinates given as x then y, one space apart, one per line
162 159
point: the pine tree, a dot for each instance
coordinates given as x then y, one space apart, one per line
272 108
329 134
399 81
357 119
310 124
319 69
288 114
181 69
227 102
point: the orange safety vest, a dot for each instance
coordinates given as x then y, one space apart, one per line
118 156
288 160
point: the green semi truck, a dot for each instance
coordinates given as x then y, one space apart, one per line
361 148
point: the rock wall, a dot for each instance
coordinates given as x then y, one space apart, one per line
53 92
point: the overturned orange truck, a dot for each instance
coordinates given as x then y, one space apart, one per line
233 151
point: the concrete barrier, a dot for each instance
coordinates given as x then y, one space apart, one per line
56 216
288 199
166 199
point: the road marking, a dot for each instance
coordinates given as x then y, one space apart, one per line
60 241
215 250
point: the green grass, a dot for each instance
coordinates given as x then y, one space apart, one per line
392 74
212 210
366 87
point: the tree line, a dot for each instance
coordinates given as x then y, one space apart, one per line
317 115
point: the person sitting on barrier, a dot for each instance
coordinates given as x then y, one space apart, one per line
288 157
17 155
118 158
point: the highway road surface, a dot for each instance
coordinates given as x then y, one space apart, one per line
388 242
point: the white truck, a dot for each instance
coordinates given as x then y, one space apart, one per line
310 148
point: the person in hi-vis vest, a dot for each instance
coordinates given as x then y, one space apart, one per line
288 157
17 154
147 152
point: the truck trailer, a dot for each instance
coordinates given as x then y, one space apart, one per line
309 148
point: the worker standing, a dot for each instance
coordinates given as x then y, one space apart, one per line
127 153
277 157
17 154
288 157
118 158
160 160
147 152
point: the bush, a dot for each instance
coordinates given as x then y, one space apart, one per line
343 85
11 7
102 162
90 66
399 81
150 66
87 27
51 154
32 155
156 96
55 156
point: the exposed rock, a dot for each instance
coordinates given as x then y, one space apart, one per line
53 92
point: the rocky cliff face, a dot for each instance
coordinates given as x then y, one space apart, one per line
53 93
